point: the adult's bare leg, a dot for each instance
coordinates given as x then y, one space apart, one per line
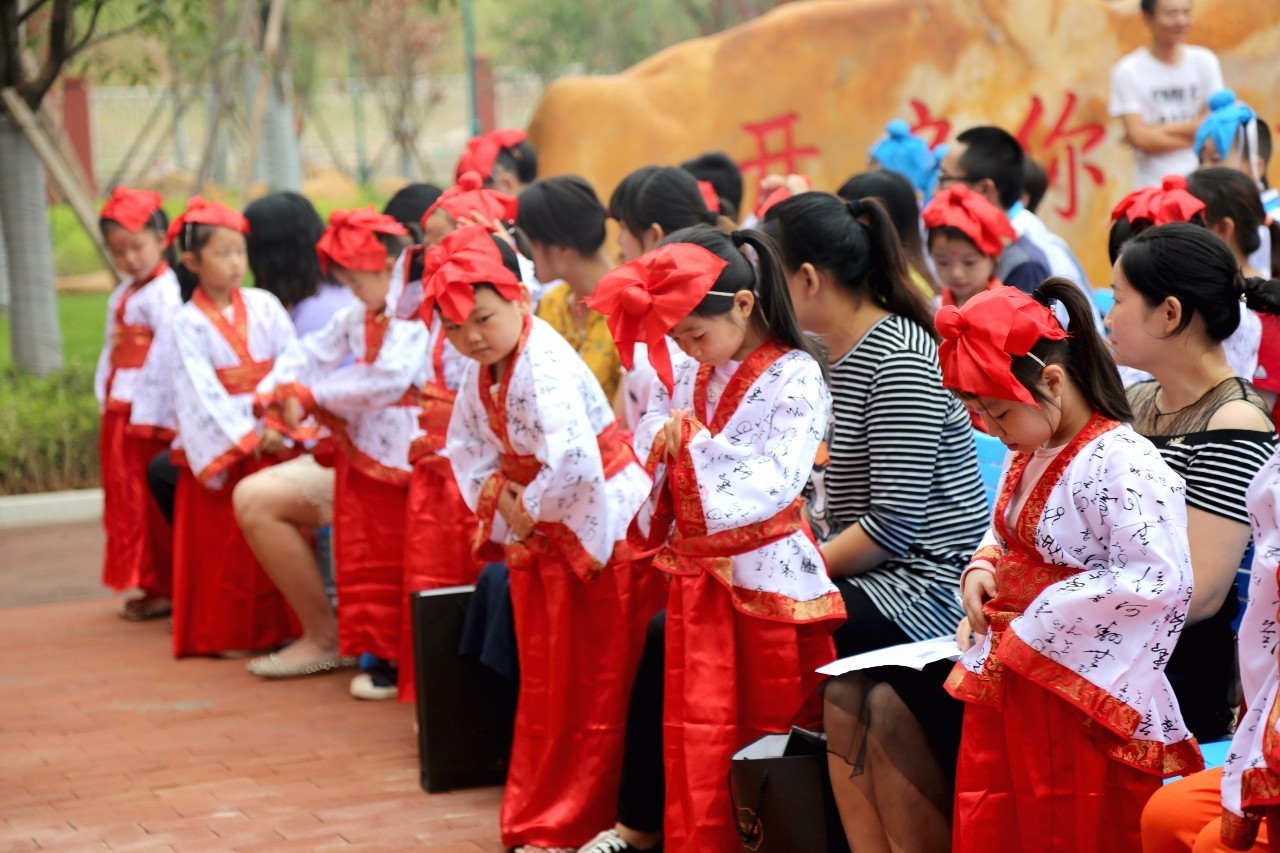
273 515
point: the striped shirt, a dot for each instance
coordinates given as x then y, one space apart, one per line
903 466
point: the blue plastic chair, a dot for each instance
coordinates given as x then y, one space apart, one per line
1104 300
1242 585
991 455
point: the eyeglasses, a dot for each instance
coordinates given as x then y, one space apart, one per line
945 180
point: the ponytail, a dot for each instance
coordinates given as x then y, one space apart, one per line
856 243
766 280
1083 354
1261 295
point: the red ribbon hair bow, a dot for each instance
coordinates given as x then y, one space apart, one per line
1169 202
202 212
482 152
132 209
645 298
351 240
469 198
452 269
978 219
980 341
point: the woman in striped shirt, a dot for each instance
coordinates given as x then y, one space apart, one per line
898 505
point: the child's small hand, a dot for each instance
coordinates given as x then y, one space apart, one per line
271 444
964 635
291 412
979 587
672 431
512 511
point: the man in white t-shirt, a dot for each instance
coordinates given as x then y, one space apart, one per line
1161 92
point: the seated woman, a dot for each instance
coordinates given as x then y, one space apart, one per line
897 502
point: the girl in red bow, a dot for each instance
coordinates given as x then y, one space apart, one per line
370 408
138 552
1076 595
503 159
541 460
224 341
730 437
967 236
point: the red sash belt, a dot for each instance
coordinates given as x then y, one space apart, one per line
244 378
1020 578
132 343
615 453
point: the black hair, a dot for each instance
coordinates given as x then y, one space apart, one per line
773 309
1035 183
1149 6
855 242
993 153
409 205
283 230
667 196
1083 354
896 192
951 232
1264 144
193 237
1228 193
1190 264
620 201
1123 230
563 211
724 174
521 160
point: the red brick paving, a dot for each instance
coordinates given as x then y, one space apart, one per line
106 742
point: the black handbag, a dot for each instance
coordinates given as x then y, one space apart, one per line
465 710
781 795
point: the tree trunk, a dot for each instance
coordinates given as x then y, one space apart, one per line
35 337
4 274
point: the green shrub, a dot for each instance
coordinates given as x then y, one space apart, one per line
48 431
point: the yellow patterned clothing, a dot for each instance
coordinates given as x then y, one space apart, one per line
594 344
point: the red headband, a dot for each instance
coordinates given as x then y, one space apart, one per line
1169 202
710 196
647 297
451 271
980 341
201 212
469 198
482 152
351 240
978 219
133 209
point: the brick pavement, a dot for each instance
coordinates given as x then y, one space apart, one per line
106 742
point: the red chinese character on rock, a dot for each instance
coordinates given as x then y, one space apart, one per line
1063 149
786 154
924 121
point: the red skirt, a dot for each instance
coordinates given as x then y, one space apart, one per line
222 600
368 561
1031 778
139 549
438 535
731 679
579 644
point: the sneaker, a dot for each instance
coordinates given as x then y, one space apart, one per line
610 841
377 684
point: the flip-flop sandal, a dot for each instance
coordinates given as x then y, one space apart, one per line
146 607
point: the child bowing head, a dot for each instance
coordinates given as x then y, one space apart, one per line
699 287
133 226
472 278
465 203
359 249
1032 384
967 236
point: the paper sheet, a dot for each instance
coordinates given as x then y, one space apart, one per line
915 655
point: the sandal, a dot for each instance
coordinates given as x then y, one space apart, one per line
146 607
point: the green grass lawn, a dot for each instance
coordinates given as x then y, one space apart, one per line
82 317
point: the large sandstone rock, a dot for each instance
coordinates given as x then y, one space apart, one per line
810 86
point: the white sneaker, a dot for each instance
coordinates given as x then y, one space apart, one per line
362 687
